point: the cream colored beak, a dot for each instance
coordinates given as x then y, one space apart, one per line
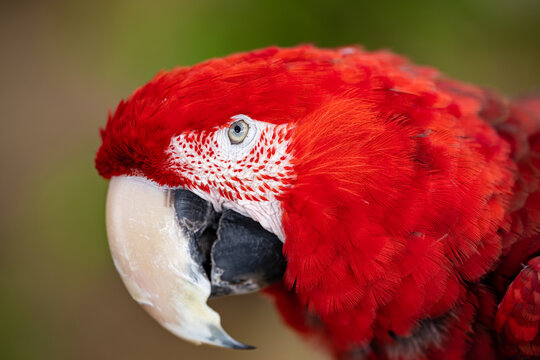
151 252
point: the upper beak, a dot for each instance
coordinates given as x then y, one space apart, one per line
174 252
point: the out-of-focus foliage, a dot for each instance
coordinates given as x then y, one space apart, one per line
63 64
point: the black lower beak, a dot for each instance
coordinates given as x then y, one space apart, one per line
237 254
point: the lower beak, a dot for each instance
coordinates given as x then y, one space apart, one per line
174 252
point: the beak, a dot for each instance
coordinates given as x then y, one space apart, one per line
174 252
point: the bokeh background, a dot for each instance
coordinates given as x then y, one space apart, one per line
63 64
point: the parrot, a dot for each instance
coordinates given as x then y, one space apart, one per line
388 211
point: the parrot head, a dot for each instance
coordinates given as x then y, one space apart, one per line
213 168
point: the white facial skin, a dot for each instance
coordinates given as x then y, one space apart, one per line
244 166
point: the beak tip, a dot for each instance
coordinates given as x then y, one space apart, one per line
233 344
238 346
244 347
221 338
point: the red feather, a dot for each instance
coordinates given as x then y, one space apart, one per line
416 197
518 317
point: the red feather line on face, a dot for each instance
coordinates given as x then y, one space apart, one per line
261 175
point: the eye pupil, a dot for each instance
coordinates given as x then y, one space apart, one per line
237 129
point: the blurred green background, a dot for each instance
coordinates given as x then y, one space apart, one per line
63 64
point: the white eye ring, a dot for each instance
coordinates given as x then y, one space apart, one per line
238 131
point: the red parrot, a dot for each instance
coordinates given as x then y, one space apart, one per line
390 211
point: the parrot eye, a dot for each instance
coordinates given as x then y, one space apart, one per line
238 131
